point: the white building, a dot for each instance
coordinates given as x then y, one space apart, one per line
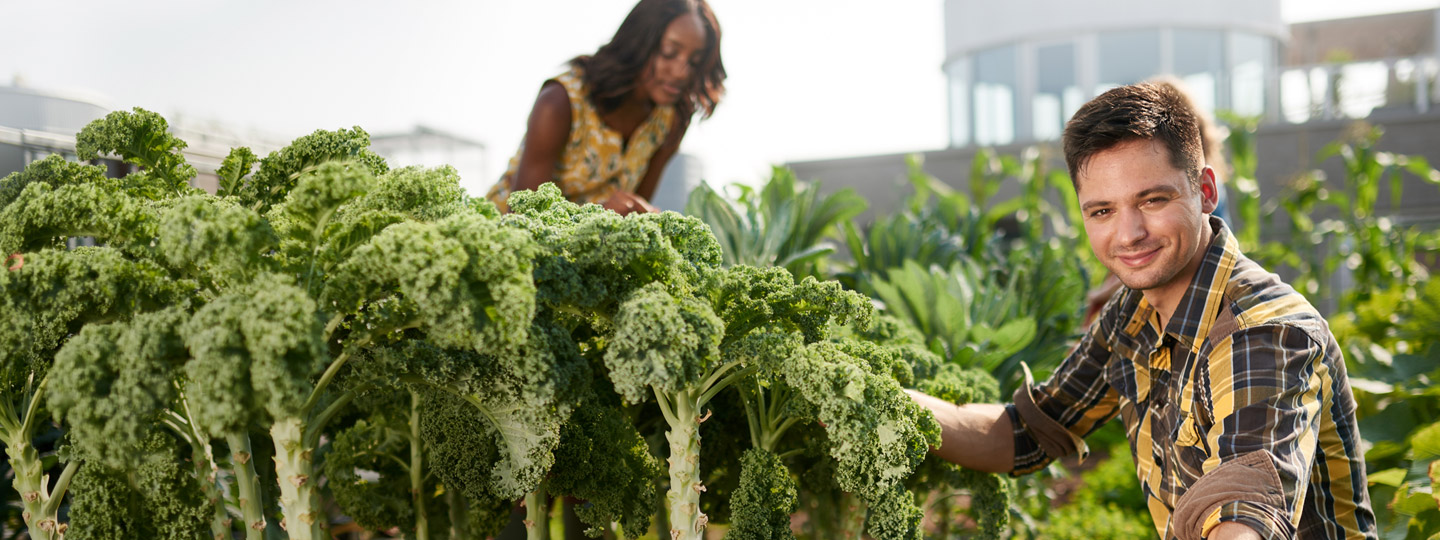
1017 70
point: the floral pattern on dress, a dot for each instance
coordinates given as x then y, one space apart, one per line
596 161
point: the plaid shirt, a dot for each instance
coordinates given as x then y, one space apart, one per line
1264 377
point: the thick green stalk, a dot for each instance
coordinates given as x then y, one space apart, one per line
206 471
417 470
945 511
459 522
852 516
537 515
251 507
295 472
30 479
686 520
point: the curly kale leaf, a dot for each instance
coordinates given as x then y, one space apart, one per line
56 293
492 444
158 497
894 516
53 171
419 193
42 216
367 481
142 138
110 383
748 298
989 493
466 281
255 350
214 239
603 461
234 169
281 170
960 386
592 258
761 506
661 341
876 433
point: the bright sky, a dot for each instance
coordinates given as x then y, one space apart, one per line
808 78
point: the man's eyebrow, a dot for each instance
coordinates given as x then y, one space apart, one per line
1157 190
1161 189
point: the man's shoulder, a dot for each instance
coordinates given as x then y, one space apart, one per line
1255 297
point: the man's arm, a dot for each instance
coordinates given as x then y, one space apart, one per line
1268 387
975 436
1231 530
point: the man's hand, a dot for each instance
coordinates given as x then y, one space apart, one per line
1231 530
623 203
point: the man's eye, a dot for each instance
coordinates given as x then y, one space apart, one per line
1100 213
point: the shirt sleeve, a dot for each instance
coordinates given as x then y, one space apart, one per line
1051 419
1267 385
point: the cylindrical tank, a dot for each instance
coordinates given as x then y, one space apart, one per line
971 25
47 111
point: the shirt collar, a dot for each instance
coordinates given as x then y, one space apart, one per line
1197 310
1196 313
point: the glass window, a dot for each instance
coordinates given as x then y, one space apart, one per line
1127 57
1250 59
1296 104
995 93
1199 62
1362 87
959 104
1057 94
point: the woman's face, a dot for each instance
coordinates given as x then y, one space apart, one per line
671 68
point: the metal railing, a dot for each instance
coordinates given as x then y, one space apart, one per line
1358 89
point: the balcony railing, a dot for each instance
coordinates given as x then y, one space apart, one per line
1358 89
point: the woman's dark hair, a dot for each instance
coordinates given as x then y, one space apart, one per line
1145 111
611 73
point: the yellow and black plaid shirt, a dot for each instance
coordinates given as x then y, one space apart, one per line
1244 365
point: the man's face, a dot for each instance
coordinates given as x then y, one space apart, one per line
1146 222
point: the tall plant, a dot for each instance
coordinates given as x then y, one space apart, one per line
786 223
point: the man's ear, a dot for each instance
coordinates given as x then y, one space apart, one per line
1209 192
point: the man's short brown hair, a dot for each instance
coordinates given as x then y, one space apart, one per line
1145 111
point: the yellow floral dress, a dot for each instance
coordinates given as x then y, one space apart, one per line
596 161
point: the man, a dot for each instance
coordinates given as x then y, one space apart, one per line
1230 384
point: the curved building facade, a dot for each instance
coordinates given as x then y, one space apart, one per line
1017 70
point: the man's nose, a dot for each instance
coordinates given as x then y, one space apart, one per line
1131 227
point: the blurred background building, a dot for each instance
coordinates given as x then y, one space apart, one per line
36 123
1016 71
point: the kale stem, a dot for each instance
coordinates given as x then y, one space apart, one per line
28 423
727 381
52 502
751 418
417 469
249 484
324 381
317 425
665 408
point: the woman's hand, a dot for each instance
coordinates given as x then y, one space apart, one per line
623 202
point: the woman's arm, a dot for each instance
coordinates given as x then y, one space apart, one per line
662 156
545 136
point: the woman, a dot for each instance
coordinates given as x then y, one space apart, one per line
604 130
